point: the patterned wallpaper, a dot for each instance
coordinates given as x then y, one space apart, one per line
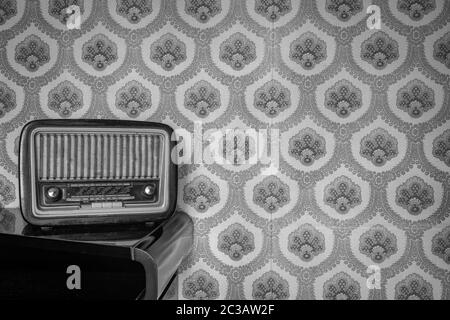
363 114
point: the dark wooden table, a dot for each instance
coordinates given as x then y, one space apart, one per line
115 262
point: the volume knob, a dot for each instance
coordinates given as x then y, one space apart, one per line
53 193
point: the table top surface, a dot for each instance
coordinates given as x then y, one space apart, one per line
12 223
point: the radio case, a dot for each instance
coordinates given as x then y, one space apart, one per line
78 172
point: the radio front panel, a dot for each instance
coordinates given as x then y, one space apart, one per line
91 171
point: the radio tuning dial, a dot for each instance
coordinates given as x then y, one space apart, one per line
149 190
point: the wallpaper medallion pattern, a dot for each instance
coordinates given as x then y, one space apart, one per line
364 118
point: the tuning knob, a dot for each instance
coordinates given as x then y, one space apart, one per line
149 190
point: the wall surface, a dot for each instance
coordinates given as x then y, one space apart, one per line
363 114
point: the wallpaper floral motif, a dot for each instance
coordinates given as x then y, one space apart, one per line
364 176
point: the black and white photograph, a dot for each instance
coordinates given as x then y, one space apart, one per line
225 150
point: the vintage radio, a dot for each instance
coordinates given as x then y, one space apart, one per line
75 172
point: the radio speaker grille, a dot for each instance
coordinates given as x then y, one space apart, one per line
97 156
